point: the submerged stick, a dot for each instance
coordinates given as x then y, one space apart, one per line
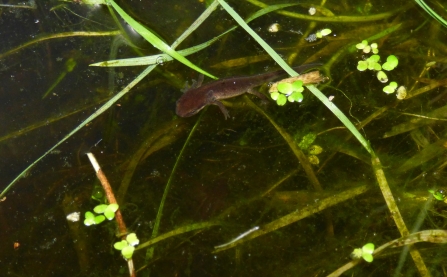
112 200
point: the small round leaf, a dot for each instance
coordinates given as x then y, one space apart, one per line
285 88
325 32
281 100
362 65
368 248
120 245
388 89
274 95
295 97
132 239
375 58
127 251
381 76
99 219
297 85
367 257
109 214
100 208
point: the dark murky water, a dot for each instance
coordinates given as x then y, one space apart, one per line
239 177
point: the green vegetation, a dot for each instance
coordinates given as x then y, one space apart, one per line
103 211
127 246
365 252
189 185
288 92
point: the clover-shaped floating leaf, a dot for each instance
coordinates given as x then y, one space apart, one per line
374 48
110 211
367 251
391 88
373 63
126 249
127 246
91 219
381 76
132 239
362 65
295 97
107 210
362 45
391 63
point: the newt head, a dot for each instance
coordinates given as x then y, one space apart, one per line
191 102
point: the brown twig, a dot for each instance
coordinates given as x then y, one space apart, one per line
112 200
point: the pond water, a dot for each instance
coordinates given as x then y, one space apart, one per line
271 191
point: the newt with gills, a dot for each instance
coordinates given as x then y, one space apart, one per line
198 97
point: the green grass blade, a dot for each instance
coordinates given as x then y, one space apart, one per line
155 41
431 12
264 45
155 59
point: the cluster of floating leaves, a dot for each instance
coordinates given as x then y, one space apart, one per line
372 63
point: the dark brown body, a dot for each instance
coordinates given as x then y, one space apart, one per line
195 99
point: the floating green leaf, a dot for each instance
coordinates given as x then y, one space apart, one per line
274 95
120 244
325 32
285 88
281 100
295 97
362 65
298 86
391 63
362 45
374 58
367 251
91 219
367 49
391 88
127 251
381 76
132 239
100 208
